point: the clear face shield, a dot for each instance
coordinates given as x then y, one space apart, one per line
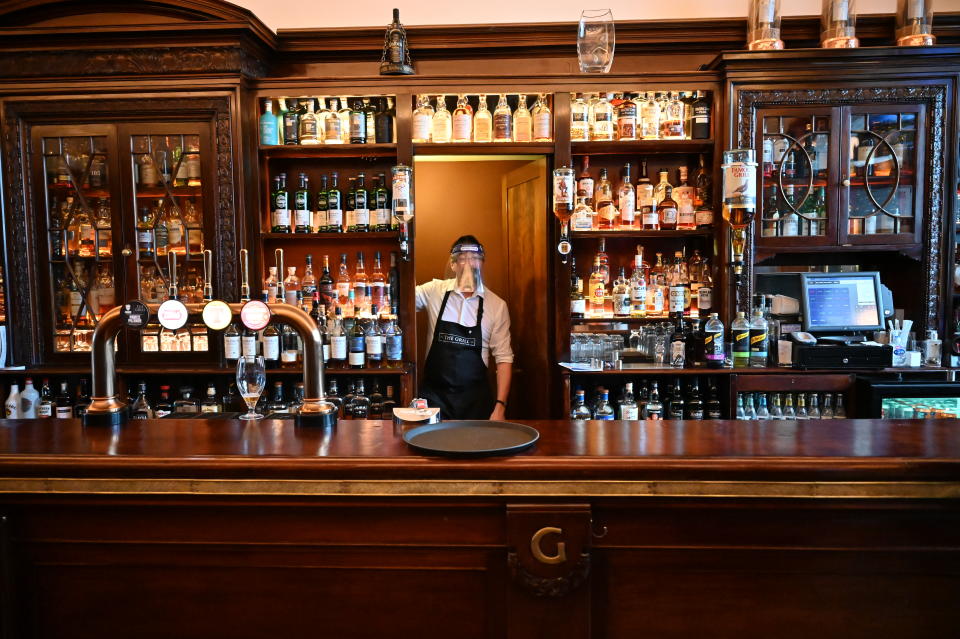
466 267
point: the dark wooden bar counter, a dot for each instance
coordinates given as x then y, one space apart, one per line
190 528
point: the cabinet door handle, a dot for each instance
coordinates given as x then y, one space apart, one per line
126 252
846 182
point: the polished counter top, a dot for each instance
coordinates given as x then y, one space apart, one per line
791 451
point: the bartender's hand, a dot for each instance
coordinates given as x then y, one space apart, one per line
498 413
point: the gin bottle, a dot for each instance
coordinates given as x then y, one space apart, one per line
502 121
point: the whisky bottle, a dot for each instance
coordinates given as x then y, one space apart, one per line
332 131
603 119
482 122
373 340
578 304
378 284
356 345
361 204
291 123
579 119
502 121
334 205
627 200
585 183
638 286
210 404
277 404
350 205
370 113
650 117
103 228
384 120
606 211
381 201
360 282
462 121
700 118
627 120
360 403
660 190
320 207
268 125
141 407
598 289
522 121
422 120
684 195
441 126
191 219
145 234
291 286
338 340
621 295
358 123
667 211
271 284
672 119
308 132
176 235
280 208
542 120
343 284
344 115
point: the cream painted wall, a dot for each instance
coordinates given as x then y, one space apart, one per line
289 15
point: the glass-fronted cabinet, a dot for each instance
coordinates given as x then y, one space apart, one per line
167 214
840 176
882 175
795 206
79 179
119 202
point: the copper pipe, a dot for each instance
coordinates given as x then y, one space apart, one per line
106 407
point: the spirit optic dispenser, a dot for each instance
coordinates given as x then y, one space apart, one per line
739 201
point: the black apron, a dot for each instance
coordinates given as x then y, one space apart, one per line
455 375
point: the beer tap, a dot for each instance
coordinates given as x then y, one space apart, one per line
173 291
281 292
207 270
244 275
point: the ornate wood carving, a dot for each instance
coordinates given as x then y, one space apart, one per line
549 587
129 61
23 336
19 117
934 96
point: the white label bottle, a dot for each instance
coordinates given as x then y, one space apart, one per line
12 405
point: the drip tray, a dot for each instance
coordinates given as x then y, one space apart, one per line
472 438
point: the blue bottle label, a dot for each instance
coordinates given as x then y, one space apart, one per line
394 347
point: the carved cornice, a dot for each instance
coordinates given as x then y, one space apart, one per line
131 62
934 96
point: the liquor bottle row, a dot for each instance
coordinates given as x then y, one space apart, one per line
31 403
790 406
659 115
328 209
80 232
59 173
167 160
522 123
353 404
677 402
351 293
169 227
683 286
644 206
323 120
359 341
791 214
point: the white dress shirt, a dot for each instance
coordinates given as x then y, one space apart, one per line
495 325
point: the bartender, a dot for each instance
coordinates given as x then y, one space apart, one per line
467 324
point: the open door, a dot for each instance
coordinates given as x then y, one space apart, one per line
525 230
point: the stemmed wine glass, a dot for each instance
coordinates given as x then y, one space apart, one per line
251 379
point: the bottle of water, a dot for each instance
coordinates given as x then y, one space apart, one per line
580 408
762 411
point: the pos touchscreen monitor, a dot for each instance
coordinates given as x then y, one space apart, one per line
841 302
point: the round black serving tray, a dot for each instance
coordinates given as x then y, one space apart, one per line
472 438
